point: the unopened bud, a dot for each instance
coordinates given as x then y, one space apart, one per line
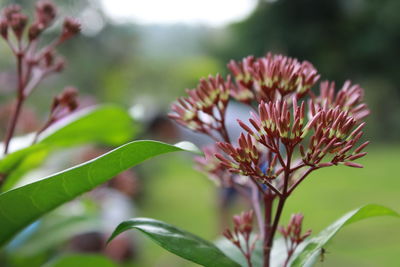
48 58
325 164
34 31
45 12
10 10
357 156
59 64
71 27
18 23
353 164
68 98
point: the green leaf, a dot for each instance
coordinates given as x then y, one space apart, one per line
312 251
111 125
177 241
29 162
87 260
91 125
21 206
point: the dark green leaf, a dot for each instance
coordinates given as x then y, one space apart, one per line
177 241
312 251
21 206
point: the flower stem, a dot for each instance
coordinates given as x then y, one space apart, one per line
269 238
20 99
268 203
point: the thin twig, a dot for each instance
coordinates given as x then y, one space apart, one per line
20 99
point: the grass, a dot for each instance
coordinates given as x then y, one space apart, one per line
181 196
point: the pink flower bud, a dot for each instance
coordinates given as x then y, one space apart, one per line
353 164
71 27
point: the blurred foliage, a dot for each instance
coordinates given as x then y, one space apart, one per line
344 39
126 62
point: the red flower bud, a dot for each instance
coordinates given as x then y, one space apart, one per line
71 27
45 13
18 23
34 31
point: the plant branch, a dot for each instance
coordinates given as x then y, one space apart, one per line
20 99
268 240
268 203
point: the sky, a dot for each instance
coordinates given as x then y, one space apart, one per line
214 13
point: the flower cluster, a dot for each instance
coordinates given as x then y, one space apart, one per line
285 139
275 121
272 77
247 159
293 235
334 135
293 231
241 234
348 98
204 109
34 62
63 104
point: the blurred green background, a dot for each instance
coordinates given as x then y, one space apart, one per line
131 63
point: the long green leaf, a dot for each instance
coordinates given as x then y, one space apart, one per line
91 125
21 206
177 241
312 251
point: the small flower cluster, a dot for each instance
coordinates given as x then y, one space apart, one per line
272 77
334 135
241 234
204 109
293 235
348 98
276 121
67 100
63 104
35 63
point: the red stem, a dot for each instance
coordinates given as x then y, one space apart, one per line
248 251
269 239
20 99
268 203
289 255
